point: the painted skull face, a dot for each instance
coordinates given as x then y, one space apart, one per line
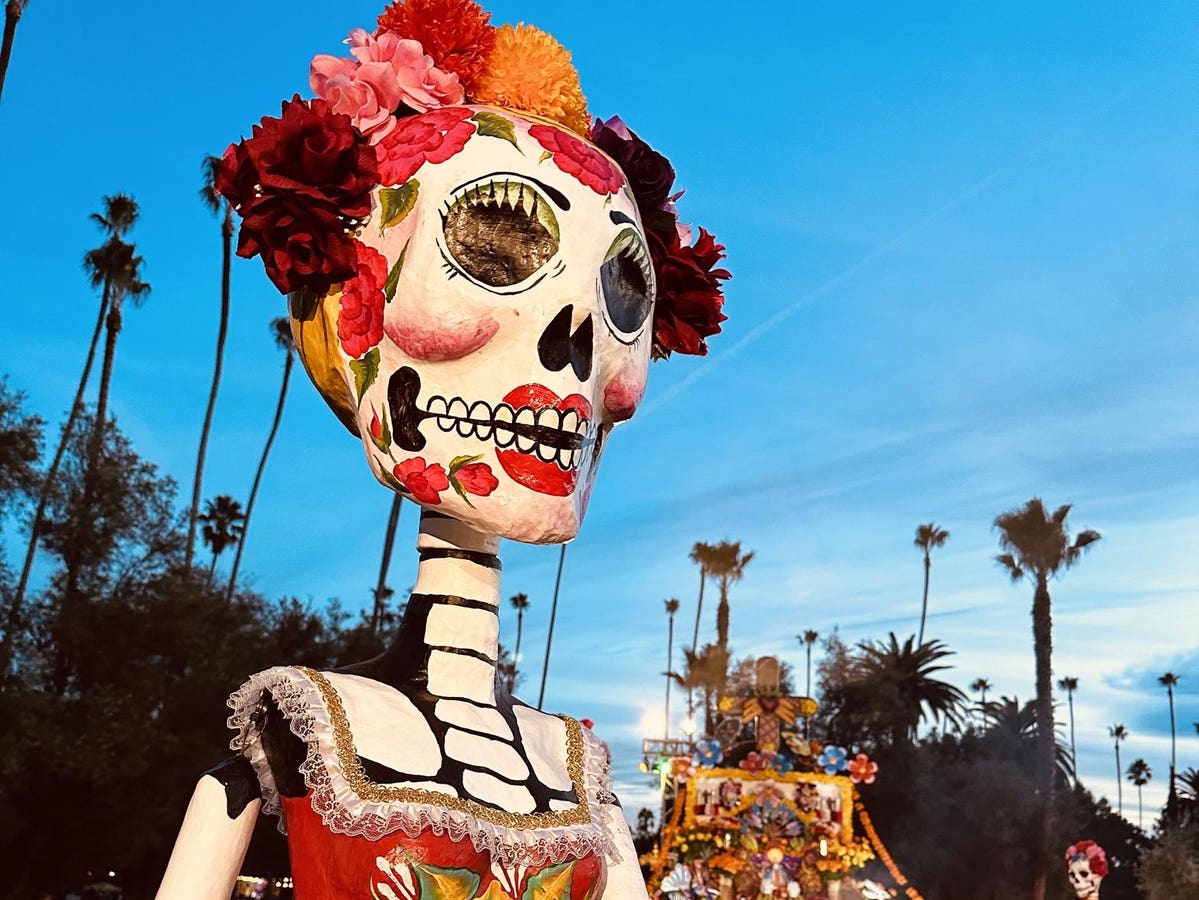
1083 880
500 324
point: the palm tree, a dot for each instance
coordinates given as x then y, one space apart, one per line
215 202
382 593
700 554
1070 685
726 563
1038 545
928 537
223 520
281 329
808 638
981 685
549 639
1169 681
900 678
13 10
672 607
1188 794
520 602
705 671
125 282
1118 733
101 264
1139 774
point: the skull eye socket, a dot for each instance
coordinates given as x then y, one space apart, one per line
500 232
627 277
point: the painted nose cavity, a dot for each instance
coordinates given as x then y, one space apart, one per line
559 346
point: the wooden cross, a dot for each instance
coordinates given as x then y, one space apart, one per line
770 709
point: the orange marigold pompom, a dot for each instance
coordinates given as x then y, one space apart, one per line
458 34
530 71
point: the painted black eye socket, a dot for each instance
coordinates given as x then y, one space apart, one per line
500 232
627 280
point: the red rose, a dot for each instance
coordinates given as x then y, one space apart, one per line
434 137
578 158
295 181
302 242
476 478
360 319
688 308
425 482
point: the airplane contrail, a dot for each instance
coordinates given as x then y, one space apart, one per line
883 249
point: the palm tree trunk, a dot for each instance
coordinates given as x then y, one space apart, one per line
266 451
1140 810
13 624
699 608
549 641
807 722
12 15
1119 783
722 616
222 331
1043 649
1073 752
1173 745
669 662
212 569
113 328
389 539
928 564
520 627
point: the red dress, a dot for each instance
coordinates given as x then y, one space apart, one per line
352 838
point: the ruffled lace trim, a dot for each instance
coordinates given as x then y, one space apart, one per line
312 715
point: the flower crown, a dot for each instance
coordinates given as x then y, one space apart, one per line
302 182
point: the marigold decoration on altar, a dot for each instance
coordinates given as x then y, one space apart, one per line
408 94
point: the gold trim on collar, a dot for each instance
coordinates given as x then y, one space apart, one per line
365 789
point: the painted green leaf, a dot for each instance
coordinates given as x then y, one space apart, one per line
545 154
551 883
365 370
459 461
446 884
392 481
496 126
393 277
460 490
397 203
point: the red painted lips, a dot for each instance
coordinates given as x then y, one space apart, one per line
525 468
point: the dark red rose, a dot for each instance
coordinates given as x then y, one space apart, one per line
302 242
433 136
690 299
578 158
297 182
650 174
360 319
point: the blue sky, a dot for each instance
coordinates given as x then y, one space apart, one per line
964 246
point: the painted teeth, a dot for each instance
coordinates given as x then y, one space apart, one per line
507 427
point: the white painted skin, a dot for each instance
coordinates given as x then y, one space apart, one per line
210 848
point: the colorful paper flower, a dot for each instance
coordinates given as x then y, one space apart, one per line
457 34
529 71
360 319
434 136
832 760
708 752
424 482
753 762
862 769
577 158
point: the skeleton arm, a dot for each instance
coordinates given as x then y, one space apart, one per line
215 834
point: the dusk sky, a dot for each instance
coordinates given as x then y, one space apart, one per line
964 246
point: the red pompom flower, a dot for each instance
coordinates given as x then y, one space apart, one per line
458 34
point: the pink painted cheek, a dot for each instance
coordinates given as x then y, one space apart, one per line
436 342
622 396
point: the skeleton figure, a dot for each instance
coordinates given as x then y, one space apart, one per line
514 320
1086 865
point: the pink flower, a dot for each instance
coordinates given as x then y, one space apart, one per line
476 478
425 482
862 770
387 72
753 762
